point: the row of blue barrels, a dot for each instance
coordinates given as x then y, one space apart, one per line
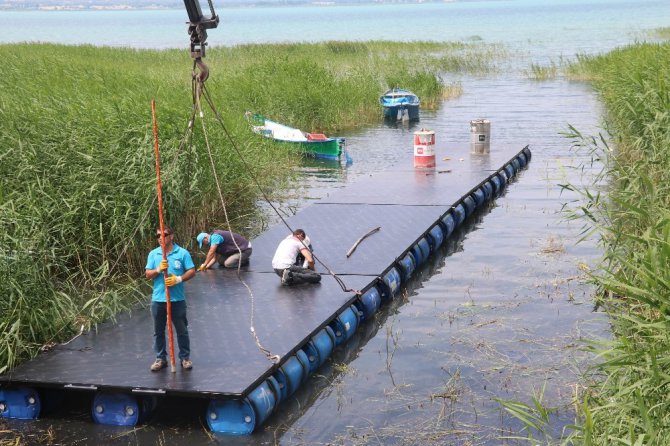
118 409
243 416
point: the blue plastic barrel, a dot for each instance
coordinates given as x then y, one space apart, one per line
503 177
488 190
232 417
469 205
516 164
527 152
421 251
448 224
319 348
120 409
479 197
497 184
435 237
509 170
368 304
390 284
19 403
406 265
264 399
345 324
522 159
291 374
459 214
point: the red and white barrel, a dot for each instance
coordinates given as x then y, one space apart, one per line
424 148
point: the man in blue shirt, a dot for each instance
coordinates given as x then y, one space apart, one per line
228 248
180 268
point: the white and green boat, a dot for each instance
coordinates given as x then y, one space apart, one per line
315 145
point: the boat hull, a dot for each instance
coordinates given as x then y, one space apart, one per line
329 149
396 112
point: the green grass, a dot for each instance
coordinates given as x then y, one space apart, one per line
627 402
77 179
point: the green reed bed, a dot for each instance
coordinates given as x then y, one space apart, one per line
77 179
626 402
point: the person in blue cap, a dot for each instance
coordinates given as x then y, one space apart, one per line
180 268
228 248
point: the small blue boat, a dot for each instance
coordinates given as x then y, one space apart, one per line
400 104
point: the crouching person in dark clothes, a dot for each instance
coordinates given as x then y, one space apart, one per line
284 259
230 249
180 268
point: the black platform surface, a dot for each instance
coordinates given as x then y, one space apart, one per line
227 362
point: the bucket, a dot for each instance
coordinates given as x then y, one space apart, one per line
424 148
480 136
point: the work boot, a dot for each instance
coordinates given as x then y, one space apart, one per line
158 364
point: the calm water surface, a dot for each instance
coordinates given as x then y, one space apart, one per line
501 311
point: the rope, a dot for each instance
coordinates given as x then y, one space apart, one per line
198 90
338 279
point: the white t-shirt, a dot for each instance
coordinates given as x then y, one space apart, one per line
286 252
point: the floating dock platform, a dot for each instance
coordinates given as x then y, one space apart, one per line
416 211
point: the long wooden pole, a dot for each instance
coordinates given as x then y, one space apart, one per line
162 226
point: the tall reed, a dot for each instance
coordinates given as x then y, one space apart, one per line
627 401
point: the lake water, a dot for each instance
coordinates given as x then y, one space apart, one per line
502 311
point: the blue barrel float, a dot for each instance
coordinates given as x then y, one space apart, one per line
497 183
368 303
120 409
469 204
407 264
435 237
509 170
390 284
448 224
479 197
19 403
420 250
291 374
487 187
319 348
459 214
345 324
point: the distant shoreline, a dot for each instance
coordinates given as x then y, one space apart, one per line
149 6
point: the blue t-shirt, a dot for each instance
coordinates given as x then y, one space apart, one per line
179 261
215 239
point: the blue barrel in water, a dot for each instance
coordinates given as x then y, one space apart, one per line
232 417
479 196
516 164
345 324
497 184
459 214
435 237
469 205
291 374
390 284
421 251
368 304
264 399
448 224
319 348
406 265
19 403
522 159
488 190
120 409
509 170
526 151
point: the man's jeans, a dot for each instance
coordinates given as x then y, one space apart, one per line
159 313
